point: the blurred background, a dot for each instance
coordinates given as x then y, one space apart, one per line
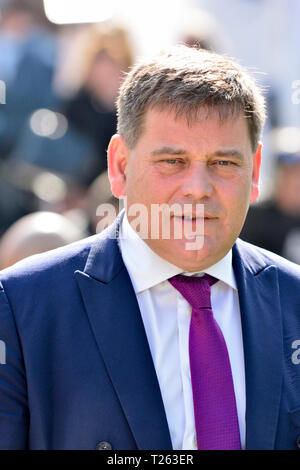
61 64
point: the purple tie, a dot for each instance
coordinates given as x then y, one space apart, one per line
215 411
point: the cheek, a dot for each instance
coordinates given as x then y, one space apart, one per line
141 187
149 186
235 197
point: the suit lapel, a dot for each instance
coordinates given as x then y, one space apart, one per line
263 349
116 322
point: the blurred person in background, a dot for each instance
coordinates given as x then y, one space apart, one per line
274 223
28 45
67 138
106 55
36 233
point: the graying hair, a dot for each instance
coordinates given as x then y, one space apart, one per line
186 80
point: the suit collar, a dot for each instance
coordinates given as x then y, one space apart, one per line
262 338
153 270
104 261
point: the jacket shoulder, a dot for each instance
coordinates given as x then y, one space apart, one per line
255 256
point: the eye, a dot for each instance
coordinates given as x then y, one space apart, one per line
224 162
171 165
172 161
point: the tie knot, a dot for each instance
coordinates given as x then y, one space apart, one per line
196 290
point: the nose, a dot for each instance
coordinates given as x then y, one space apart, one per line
197 183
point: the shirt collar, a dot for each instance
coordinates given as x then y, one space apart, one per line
147 269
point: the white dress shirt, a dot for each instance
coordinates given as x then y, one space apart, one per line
166 316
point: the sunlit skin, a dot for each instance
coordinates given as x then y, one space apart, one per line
207 162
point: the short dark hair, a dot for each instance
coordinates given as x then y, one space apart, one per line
184 79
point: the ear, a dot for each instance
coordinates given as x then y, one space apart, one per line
117 157
256 174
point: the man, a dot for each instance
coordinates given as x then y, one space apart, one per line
103 347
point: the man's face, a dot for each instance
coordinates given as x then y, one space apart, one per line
208 162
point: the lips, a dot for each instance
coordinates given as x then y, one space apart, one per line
194 217
192 214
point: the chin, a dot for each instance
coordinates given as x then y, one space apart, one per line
198 259
195 264
188 260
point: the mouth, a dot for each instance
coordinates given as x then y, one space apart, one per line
194 217
193 224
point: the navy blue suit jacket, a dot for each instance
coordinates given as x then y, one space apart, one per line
78 367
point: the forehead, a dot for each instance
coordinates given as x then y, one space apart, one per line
208 127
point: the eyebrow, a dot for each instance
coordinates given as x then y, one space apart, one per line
228 152
166 150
